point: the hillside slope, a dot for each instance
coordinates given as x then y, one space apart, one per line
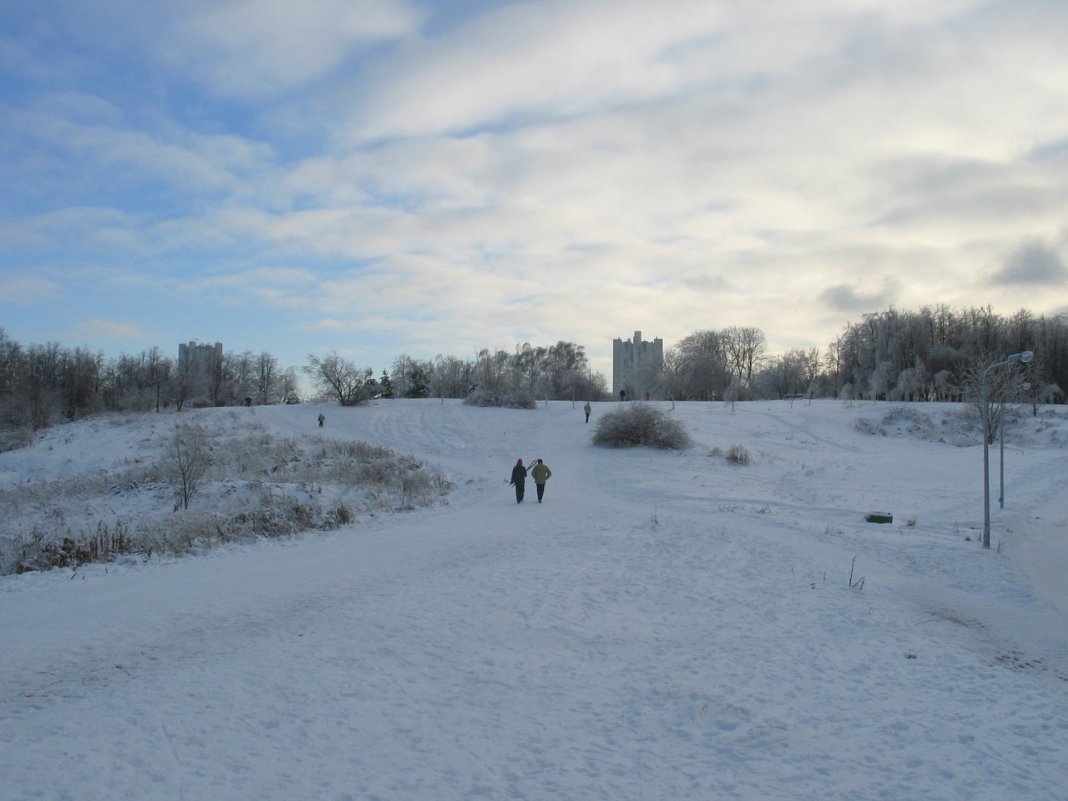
665 625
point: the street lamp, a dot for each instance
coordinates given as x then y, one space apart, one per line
1001 436
1024 358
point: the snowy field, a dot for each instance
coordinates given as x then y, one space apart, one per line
666 625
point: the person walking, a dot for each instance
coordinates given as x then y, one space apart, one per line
519 480
322 419
587 409
541 473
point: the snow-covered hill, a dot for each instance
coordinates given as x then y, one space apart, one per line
666 625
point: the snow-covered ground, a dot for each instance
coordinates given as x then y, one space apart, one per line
666 625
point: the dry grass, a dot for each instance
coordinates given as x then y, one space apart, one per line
254 485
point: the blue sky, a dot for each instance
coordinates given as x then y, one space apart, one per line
378 177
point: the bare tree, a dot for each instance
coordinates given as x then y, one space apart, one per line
340 379
266 370
160 372
190 459
744 347
1003 386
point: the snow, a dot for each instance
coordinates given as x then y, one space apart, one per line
666 625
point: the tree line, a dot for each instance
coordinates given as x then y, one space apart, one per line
935 353
497 377
44 384
41 385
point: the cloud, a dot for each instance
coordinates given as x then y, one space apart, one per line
250 48
26 290
262 287
532 60
108 331
846 298
1033 263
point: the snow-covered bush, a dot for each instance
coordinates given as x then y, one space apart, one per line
738 455
517 399
639 424
866 425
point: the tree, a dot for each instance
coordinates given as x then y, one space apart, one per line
787 374
41 383
265 372
290 386
451 377
337 378
744 347
1003 386
385 384
190 461
160 374
239 379
699 369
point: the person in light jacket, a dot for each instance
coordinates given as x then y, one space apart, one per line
541 473
519 480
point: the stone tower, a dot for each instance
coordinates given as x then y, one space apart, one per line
199 371
635 366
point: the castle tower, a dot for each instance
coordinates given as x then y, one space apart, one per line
199 371
636 364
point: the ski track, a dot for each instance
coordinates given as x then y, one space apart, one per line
664 626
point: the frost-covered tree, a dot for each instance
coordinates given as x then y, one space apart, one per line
744 348
698 367
189 461
339 379
267 379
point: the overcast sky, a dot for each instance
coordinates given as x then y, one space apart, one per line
378 177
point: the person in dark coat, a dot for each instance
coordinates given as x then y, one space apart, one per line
519 480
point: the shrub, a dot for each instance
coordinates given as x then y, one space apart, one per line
640 425
738 455
512 400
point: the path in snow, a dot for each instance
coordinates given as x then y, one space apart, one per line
664 626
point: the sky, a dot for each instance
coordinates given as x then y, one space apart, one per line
386 177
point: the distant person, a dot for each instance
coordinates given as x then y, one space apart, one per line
541 473
322 419
587 409
519 480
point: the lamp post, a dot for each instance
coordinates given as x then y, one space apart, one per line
1024 358
1001 436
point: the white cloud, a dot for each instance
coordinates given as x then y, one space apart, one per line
101 330
26 290
262 47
